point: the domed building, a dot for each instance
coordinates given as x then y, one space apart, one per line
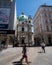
24 30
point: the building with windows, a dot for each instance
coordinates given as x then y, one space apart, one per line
24 30
7 19
7 12
43 25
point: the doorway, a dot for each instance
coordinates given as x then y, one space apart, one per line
49 40
22 40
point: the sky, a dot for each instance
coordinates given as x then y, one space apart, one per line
30 7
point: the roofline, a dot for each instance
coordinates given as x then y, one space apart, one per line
36 12
46 5
40 7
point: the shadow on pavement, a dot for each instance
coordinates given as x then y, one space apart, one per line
40 52
17 63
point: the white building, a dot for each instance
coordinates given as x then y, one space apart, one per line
24 30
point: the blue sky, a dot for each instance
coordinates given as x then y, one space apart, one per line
30 7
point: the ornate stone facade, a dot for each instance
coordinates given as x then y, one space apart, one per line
24 30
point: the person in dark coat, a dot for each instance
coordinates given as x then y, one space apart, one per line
43 46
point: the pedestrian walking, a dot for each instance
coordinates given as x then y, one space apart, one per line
24 54
43 46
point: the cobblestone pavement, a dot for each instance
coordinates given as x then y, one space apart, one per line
43 58
7 57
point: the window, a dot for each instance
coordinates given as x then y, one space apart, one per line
44 9
51 28
45 15
50 9
22 28
49 15
50 21
22 22
47 28
46 21
29 21
26 21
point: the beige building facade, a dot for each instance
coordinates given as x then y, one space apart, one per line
43 25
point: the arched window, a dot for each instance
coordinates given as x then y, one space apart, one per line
22 28
29 21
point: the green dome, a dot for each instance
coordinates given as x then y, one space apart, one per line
22 17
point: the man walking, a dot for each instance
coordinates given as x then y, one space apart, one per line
24 54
